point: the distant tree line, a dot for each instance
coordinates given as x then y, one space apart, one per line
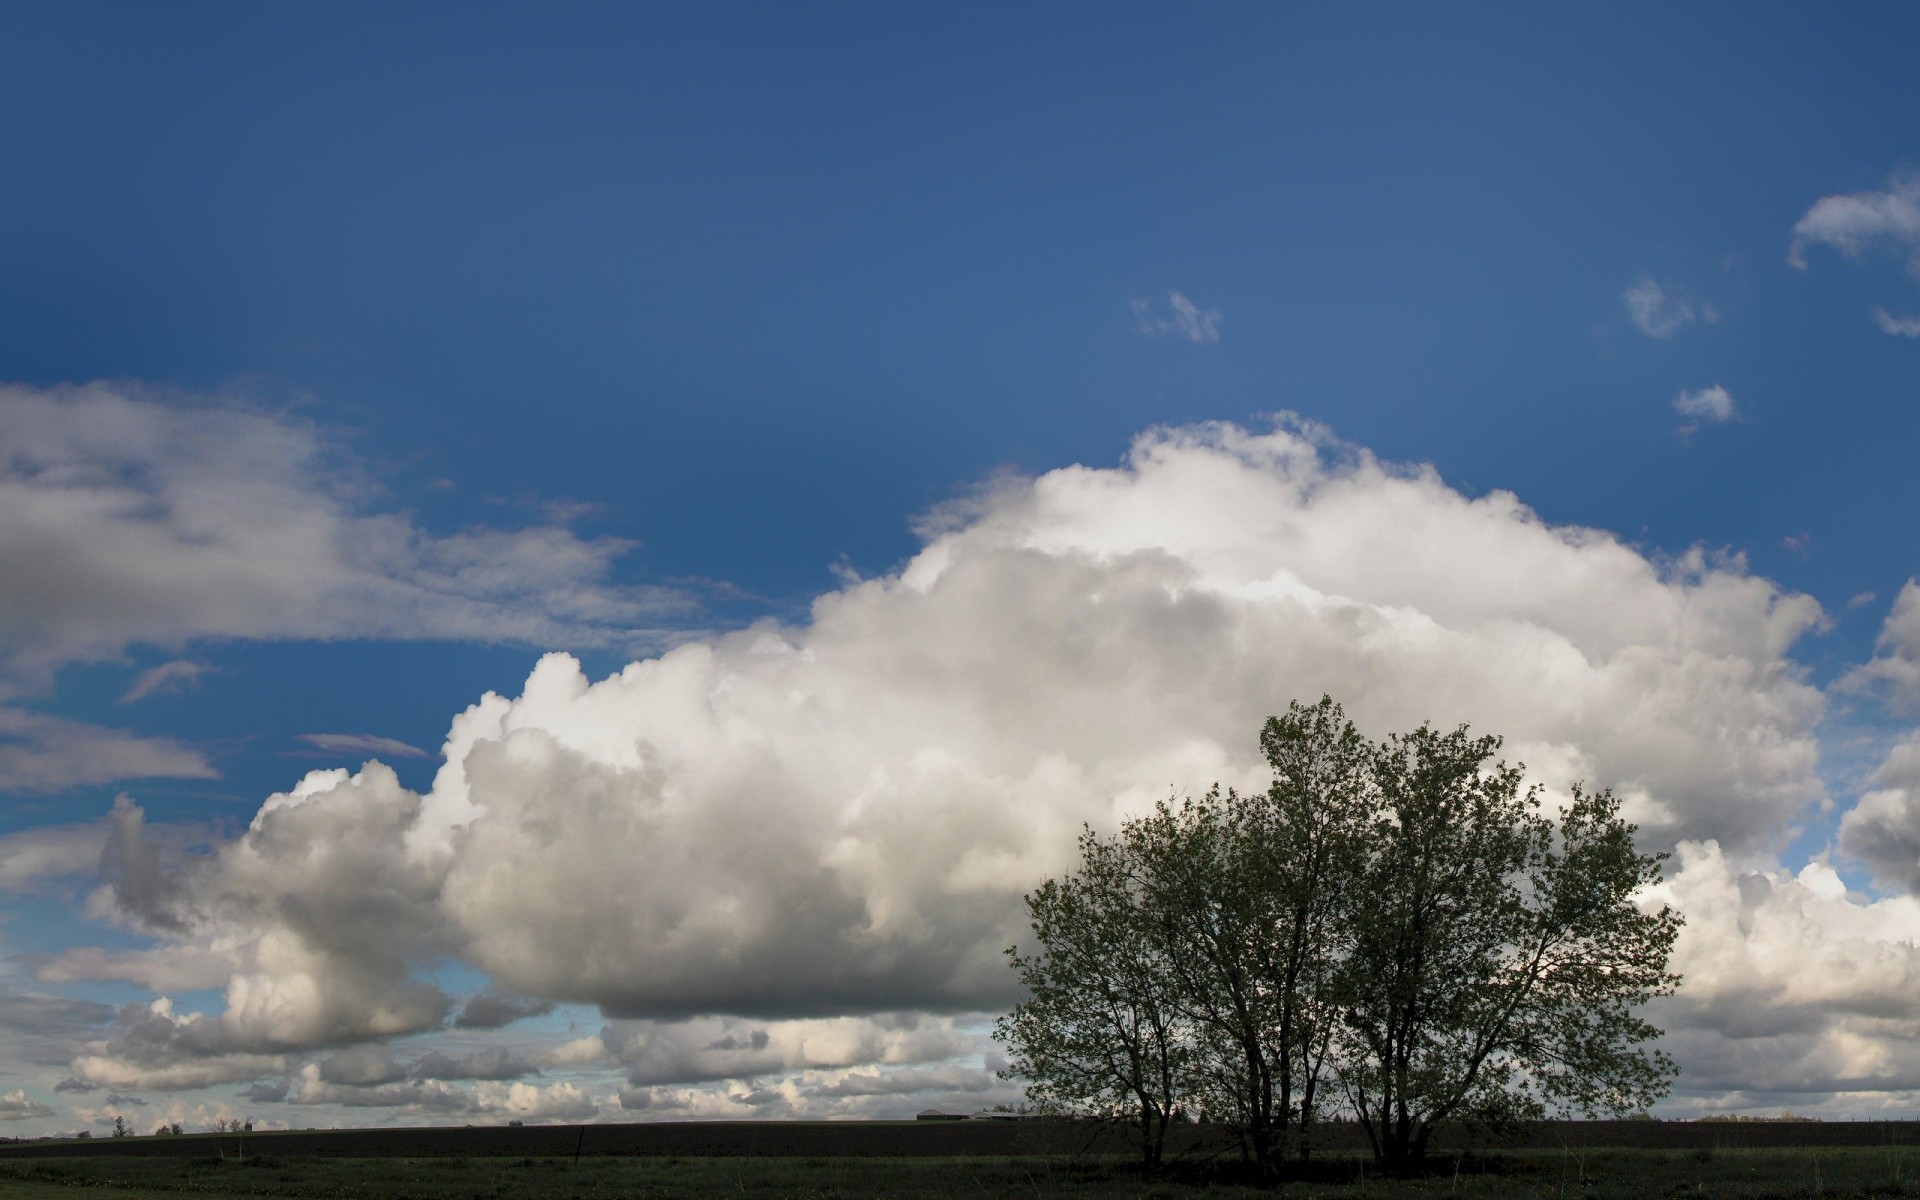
1393 933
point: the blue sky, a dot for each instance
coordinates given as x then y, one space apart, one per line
434 340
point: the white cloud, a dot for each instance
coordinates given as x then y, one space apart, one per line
138 518
1710 405
1791 983
1180 318
1900 325
39 753
715 1048
1660 314
519 1101
838 820
32 857
1852 223
362 743
17 1106
1883 828
1896 662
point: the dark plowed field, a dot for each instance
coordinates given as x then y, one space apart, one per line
929 1139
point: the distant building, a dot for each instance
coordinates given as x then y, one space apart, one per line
934 1114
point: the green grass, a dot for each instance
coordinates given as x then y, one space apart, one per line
1546 1175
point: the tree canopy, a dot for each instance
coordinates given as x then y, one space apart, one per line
1393 932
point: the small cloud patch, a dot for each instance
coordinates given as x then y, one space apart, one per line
1179 317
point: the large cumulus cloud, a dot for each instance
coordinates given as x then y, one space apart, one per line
839 818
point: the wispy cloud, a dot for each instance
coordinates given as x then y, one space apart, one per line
1708 406
39 753
138 518
178 675
1659 313
1897 324
1855 223
1180 318
362 743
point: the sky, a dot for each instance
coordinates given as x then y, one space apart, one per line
574 562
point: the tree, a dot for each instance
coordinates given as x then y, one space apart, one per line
1098 1034
1498 957
1199 943
1398 917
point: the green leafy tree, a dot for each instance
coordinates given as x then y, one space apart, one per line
1397 917
1498 958
1250 893
1099 1034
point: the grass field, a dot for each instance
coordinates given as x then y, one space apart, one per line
1600 1174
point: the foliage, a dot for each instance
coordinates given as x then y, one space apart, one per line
1498 959
1398 918
1099 1034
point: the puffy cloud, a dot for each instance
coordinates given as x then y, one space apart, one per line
869 1093
39 753
1883 828
1180 318
1854 222
489 1062
521 1101
709 1049
1896 662
839 819
135 517
1660 314
17 1106
1708 406
152 1049
318 907
362 1066
1791 983
491 1010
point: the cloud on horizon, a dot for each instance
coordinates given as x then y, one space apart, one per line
785 826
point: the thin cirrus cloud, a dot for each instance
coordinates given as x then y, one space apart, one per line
1659 313
175 676
1857 222
796 853
361 743
40 754
1179 318
1897 325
